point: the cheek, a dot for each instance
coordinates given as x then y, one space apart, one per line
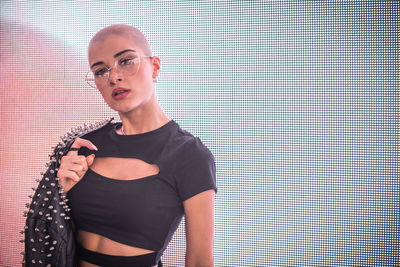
104 95
145 73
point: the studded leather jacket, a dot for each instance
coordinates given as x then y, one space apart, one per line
49 236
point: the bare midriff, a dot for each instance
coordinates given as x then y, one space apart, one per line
104 245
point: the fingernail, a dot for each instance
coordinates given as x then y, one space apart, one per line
95 148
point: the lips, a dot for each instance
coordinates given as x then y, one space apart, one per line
119 93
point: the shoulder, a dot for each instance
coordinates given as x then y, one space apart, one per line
194 166
81 131
85 131
97 130
190 147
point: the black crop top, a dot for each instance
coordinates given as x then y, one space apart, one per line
144 212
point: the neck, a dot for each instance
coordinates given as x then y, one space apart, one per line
144 119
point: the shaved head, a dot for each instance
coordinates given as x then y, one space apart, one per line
124 30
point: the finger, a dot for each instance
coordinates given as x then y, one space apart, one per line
76 164
79 169
69 160
90 159
67 183
65 175
78 143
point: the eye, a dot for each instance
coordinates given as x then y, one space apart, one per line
100 71
128 61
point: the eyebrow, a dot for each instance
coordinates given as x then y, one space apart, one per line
115 56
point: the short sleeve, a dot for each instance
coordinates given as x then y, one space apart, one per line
195 170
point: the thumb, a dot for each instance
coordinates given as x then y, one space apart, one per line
89 160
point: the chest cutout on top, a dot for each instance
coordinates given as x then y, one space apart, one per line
123 168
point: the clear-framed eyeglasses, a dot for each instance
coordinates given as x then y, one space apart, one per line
127 64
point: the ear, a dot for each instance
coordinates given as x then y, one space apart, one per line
156 66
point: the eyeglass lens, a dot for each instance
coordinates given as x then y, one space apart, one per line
127 64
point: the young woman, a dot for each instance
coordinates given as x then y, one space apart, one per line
130 183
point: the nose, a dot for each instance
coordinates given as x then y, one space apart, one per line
115 76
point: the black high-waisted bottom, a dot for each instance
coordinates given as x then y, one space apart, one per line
105 260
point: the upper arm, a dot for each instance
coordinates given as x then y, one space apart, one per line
199 219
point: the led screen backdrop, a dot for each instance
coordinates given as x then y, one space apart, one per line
298 101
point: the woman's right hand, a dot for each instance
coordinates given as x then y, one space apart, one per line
72 166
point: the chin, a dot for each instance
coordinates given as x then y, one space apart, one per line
125 109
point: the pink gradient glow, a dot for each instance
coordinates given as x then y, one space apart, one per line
42 94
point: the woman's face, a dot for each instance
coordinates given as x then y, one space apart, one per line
122 91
